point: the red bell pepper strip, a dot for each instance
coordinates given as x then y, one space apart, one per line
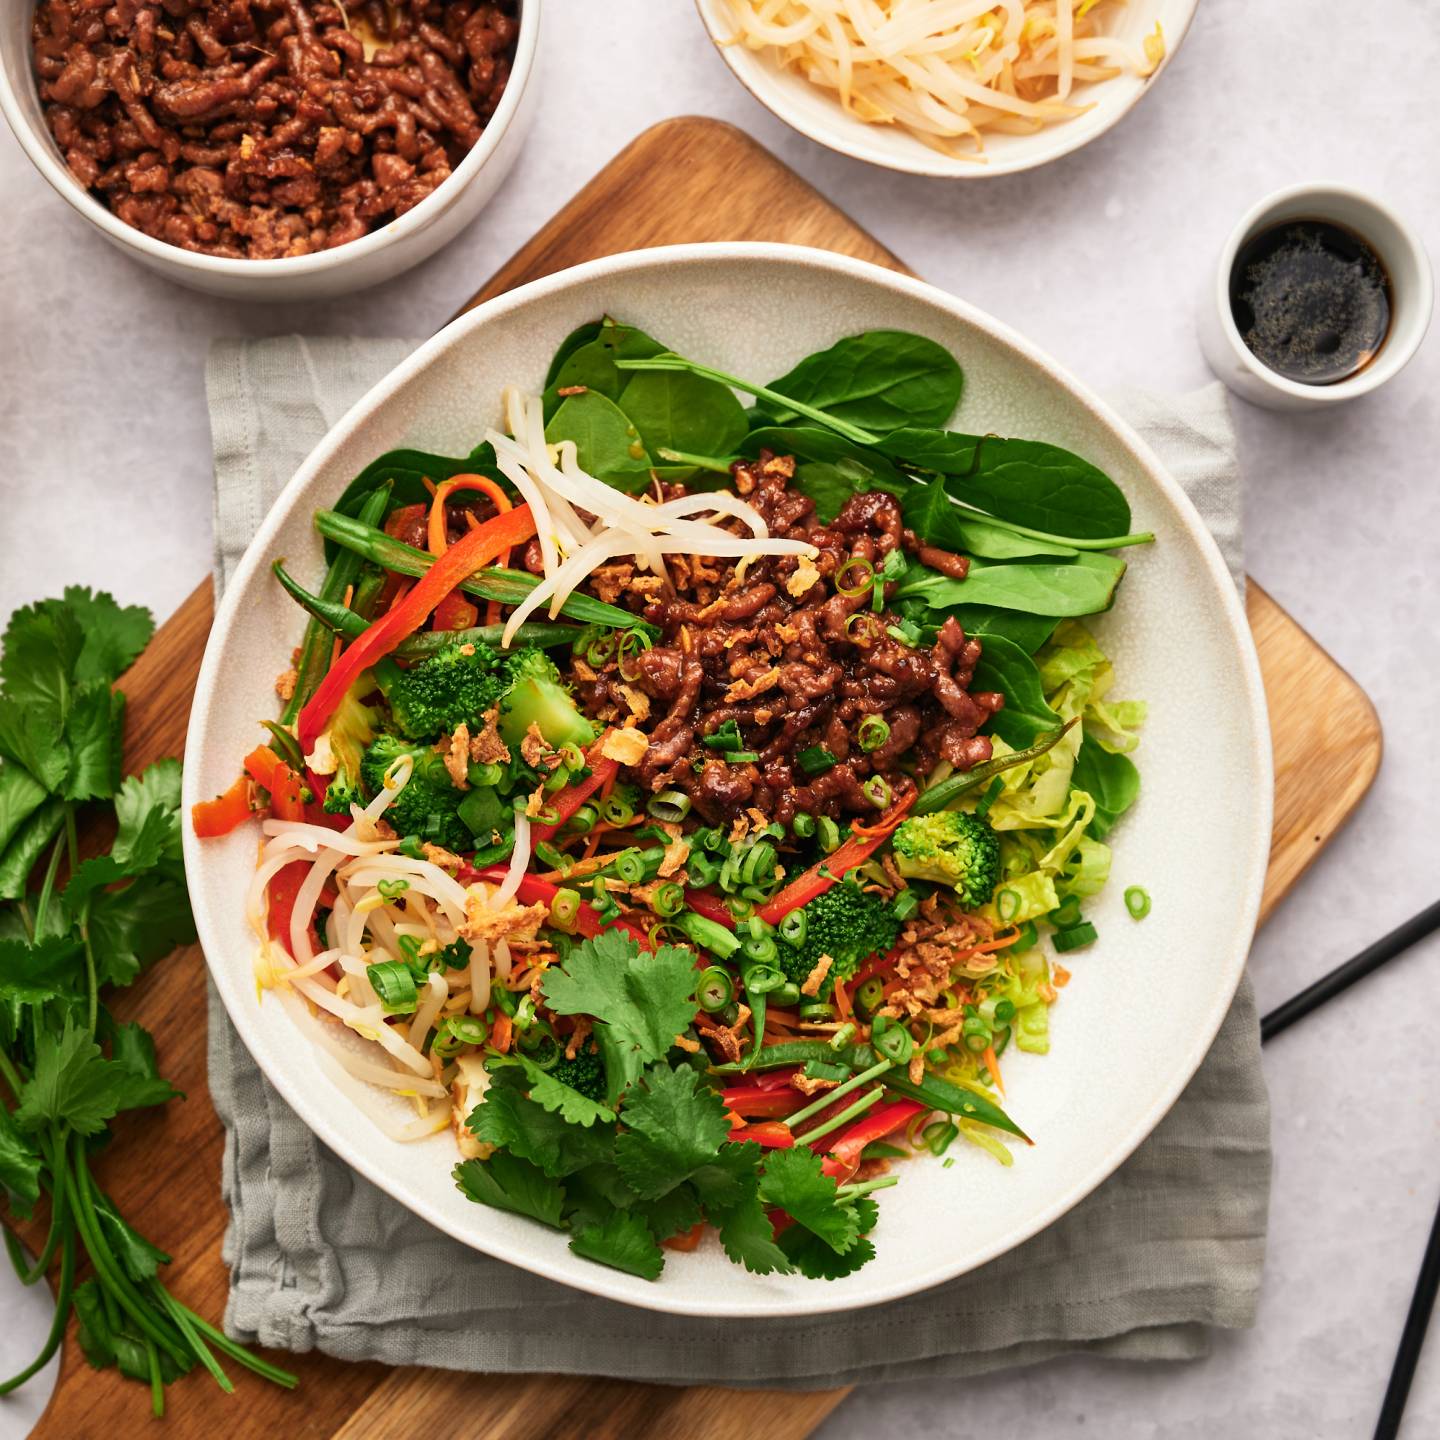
461 560
711 906
280 897
771 1134
222 814
873 966
824 873
772 1079
687 1239
844 1157
751 1100
266 768
564 803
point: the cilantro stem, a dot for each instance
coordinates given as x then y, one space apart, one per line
114 1280
57 1322
239 1353
157 1381
47 889
828 1097
177 1313
836 1121
864 1187
92 984
13 1249
59 1201
11 1074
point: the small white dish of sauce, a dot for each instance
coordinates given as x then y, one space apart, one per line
1322 293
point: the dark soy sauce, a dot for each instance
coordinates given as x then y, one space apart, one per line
1311 300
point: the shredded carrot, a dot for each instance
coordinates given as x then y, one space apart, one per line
887 824
1000 942
436 530
592 844
734 1121
1059 976
500 1035
686 1239
842 1000
428 483
993 1066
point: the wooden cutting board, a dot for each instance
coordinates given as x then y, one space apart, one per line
684 180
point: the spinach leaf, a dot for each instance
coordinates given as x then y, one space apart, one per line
1111 780
880 380
1005 667
408 470
1027 482
1084 586
937 520
676 411
592 364
581 335
607 443
1029 632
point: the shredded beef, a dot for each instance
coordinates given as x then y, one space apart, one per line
259 129
794 666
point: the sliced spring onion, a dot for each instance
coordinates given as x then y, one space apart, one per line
803 825
793 927
741 757
616 809
786 996
671 806
877 791
816 1010
1007 904
815 760
394 983
668 900
938 1136
727 737
873 733
843 1036
714 990
905 904
565 910
976 1034
582 822
393 889
763 980
895 1043
1137 902
1074 937
828 833
871 995
864 577
708 933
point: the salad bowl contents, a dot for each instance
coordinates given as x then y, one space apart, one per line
683 813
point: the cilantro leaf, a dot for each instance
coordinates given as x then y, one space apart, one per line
30 840
19 1167
140 1259
592 1194
114 634
147 807
624 1242
642 1001
672 1213
39 653
74 1084
506 1119
92 742
136 926
793 1181
30 735
816 1260
508 1183
674 1124
729 1178
21 795
33 974
563 1100
748 1238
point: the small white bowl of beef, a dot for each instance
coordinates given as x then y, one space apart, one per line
275 149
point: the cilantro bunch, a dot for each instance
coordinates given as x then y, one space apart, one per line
71 928
654 1158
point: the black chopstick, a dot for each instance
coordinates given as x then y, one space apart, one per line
1412 1339
1344 976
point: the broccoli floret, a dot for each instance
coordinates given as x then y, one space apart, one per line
535 696
845 923
585 1073
428 804
351 729
458 684
950 848
455 686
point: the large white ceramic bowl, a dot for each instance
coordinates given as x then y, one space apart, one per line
380 255
1145 1001
819 116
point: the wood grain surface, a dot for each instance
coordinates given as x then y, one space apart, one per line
687 179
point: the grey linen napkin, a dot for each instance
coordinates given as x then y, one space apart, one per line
1172 1244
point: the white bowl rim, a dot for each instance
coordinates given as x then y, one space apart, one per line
941 167
57 173
328 1126
1392 359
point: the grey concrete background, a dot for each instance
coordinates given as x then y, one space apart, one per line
1098 258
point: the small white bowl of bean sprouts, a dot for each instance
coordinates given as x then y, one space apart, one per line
956 89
